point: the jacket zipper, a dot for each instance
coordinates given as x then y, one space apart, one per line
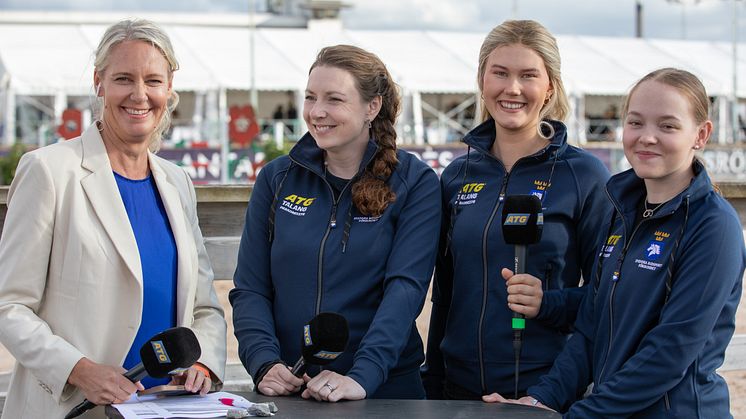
332 224
485 279
667 401
615 278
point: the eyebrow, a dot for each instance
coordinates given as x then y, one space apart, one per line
524 70
127 73
333 92
633 113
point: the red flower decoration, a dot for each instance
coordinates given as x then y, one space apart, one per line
243 127
72 121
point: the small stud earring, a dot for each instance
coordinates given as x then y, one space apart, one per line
696 147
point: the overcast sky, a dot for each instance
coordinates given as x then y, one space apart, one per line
698 19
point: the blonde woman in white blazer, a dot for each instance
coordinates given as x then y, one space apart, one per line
71 279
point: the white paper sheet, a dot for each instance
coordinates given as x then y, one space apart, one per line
152 407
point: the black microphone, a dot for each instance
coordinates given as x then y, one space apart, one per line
171 349
522 225
324 339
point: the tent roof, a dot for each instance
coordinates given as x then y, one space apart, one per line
47 58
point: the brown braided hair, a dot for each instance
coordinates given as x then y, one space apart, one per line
370 194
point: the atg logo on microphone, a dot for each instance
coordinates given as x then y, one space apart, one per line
307 335
518 219
160 352
327 355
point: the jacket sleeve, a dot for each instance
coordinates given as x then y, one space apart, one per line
252 297
433 371
707 280
408 272
25 250
559 307
208 319
571 372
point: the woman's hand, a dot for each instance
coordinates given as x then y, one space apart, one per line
193 379
526 400
524 293
329 386
102 384
279 381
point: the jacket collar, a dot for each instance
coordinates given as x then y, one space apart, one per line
101 189
483 136
626 190
308 154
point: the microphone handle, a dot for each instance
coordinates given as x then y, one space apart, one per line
519 321
78 410
519 267
520 259
299 368
134 374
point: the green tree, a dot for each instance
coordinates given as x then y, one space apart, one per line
9 162
271 151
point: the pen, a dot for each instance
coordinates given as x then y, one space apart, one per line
237 403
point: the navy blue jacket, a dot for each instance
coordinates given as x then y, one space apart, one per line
374 271
647 357
470 338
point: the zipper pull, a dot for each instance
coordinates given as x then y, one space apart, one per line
615 275
333 221
501 197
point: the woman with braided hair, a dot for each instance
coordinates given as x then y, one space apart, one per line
345 223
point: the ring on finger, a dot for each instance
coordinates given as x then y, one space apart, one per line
330 387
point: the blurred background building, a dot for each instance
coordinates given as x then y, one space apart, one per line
242 80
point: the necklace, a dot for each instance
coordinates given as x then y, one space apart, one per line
648 212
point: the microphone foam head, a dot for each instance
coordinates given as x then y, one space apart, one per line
522 219
324 338
173 348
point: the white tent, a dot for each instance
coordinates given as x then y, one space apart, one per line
54 58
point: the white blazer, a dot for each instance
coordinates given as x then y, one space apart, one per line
70 274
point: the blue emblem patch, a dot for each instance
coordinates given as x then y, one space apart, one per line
537 193
654 250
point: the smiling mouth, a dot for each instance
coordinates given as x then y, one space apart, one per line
511 105
323 128
136 112
647 154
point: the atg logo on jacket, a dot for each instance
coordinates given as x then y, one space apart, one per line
469 193
296 204
609 246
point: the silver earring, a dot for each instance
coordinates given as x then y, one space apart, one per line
696 147
370 125
543 127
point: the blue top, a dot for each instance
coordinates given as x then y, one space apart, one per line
470 342
158 257
303 252
648 357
